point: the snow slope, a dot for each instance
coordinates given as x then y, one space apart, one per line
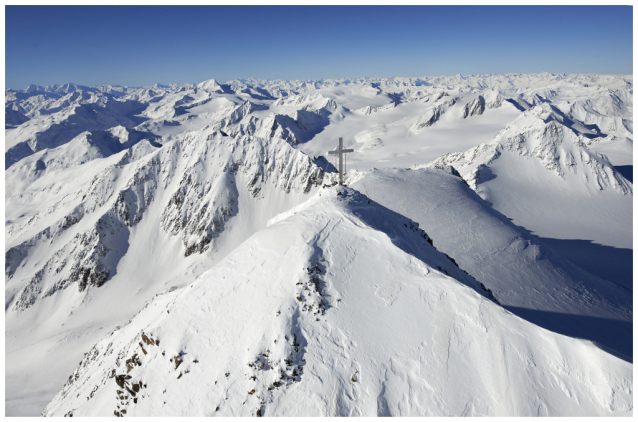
523 273
339 312
540 174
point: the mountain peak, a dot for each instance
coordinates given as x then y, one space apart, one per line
210 85
309 317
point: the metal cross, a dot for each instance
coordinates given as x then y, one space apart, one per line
340 151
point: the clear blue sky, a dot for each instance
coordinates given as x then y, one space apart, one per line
143 45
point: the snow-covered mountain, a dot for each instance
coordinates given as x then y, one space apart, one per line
123 203
324 334
541 174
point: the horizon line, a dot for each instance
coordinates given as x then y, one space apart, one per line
320 79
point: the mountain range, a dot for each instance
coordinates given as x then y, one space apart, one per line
190 247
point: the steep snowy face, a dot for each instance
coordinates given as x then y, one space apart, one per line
120 229
343 309
13 117
298 118
199 173
210 85
85 147
475 107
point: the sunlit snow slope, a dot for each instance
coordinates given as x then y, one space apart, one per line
341 309
526 276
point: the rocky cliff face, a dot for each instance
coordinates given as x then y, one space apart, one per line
434 114
474 108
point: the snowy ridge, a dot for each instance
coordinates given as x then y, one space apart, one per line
611 112
83 148
474 108
434 114
469 82
210 85
539 135
53 130
298 330
197 209
299 126
369 109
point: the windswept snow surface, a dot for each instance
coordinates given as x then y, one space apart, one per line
524 274
307 326
119 198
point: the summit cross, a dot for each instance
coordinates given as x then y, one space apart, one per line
341 152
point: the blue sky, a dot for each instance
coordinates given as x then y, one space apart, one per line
126 45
